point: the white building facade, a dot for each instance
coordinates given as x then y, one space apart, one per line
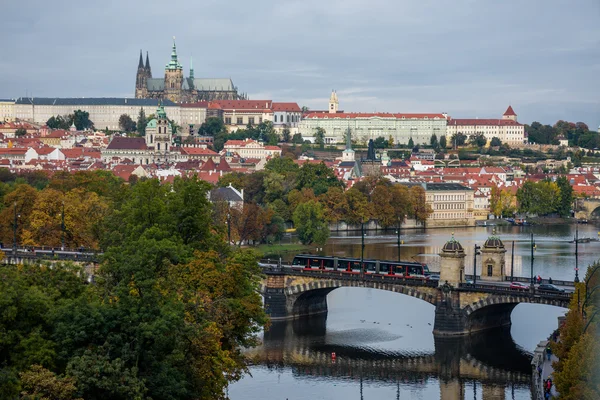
507 129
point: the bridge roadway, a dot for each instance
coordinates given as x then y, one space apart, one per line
29 254
292 293
491 358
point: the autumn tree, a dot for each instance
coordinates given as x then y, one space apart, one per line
335 204
359 209
309 220
421 210
126 123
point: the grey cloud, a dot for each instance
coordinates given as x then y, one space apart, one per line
467 57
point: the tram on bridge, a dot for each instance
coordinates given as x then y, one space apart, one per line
400 269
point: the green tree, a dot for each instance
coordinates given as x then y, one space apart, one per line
443 144
126 123
433 141
458 139
411 143
319 177
565 201
359 209
58 122
478 139
309 220
285 134
320 137
142 122
211 127
297 138
81 119
20 132
41 383
495 142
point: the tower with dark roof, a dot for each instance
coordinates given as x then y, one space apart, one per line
452 265
173 77
493 259
141 78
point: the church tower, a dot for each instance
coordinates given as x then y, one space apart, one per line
141 79
333 103
509 114
173 77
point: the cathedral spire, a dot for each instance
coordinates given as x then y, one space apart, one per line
174 63
191 69
141 63
148 69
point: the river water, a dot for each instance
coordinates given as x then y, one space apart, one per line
383 341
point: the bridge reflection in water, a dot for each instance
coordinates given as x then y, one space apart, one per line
492 359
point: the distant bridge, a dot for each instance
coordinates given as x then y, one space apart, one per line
291 293
590 209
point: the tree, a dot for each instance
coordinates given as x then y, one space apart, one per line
478 139
126 123
411 143
320 137
319 177
142 122
359 208
297 138
335 204
443 142
310 223
565 201
421 210
58 122
211 127
539 198
458 139
81 119
20 132
40 383
495 142
433 141
285 133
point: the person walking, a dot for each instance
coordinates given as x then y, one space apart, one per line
550 280
548 352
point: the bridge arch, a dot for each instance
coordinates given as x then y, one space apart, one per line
494 300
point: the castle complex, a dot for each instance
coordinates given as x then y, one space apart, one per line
179 89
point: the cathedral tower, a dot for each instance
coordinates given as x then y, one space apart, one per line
141 79
173 77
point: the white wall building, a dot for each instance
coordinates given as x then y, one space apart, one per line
104 112
7 110
507 129
249 149
364 126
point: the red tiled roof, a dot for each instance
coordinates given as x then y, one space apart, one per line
199 104
243 104
198 151
209 165
57 134
372 115
482 122
42 151
127 143
292 107
509 111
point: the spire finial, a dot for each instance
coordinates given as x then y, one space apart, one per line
141 63
494 231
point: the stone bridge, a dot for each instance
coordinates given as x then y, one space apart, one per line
589 209
461 310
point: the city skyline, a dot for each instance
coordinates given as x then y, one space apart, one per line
471 60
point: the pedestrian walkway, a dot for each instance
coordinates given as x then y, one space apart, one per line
547 372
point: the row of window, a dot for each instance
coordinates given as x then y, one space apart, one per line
295 118
449 206
240 120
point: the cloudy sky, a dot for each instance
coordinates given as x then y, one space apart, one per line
470 58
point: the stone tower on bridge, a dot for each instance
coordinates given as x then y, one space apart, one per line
493 259
452 265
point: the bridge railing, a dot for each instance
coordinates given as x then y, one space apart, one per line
469 287
48 253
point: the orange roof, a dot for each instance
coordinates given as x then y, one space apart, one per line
509 111
292 107
243 104
198 151
482 122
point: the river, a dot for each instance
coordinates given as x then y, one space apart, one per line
383 341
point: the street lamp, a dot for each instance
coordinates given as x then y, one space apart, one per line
532 248
475 253
362 248
398 233
62 227
15 229
576 254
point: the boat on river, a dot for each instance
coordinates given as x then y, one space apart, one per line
584 240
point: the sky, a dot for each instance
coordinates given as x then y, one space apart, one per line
469 58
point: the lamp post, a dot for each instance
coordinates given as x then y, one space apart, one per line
576 254
532 247
15 230
398 232
475 252
62 227
228 228
362 248
512 262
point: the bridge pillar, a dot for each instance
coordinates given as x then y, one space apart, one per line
493 392
281 304
452 264
275 299
452 390
493 259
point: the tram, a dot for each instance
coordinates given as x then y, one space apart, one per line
401 269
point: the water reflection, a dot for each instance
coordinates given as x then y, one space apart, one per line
305 347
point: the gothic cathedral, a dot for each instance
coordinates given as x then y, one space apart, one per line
175 87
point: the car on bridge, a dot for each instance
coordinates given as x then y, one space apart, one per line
548 287
519 286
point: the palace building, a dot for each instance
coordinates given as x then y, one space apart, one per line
179 89
400 127
507 129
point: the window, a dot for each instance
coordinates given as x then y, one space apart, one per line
490 269
240 121
276 118
260 120
251 120
228 121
